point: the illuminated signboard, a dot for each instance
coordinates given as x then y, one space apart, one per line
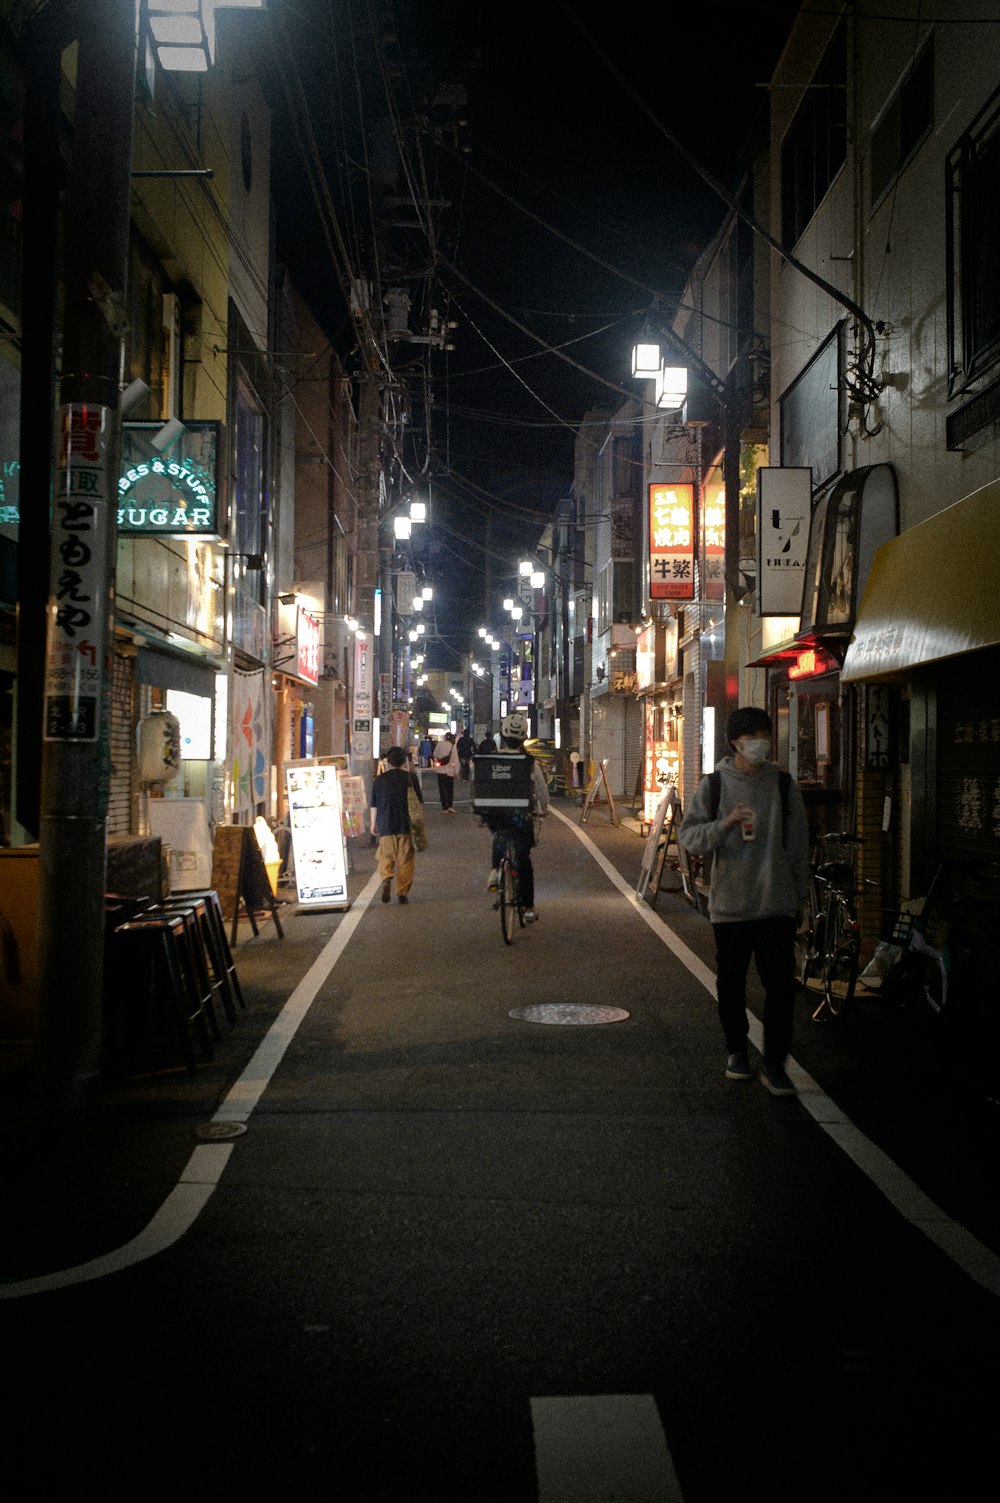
173 494
713 526
671 542
645 656
307 642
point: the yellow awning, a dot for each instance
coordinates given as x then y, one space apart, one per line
932 593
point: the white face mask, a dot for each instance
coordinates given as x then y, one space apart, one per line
754 751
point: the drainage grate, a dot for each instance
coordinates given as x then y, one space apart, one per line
575 1013
218 1132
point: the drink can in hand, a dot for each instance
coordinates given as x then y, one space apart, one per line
749 826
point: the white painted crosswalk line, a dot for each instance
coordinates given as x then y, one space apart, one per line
602 1448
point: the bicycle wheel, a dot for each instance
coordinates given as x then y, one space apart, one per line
840 961
508 895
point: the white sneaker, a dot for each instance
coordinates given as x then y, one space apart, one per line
494 878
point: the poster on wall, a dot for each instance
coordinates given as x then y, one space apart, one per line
315 816
182 826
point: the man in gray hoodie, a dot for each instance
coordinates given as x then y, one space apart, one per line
751 817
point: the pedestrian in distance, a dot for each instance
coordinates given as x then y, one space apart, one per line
466 747
749 817
426 751
518 824
447 765
488 743
390 821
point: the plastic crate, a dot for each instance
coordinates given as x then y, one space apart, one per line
902 928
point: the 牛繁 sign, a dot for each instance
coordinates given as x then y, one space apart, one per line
173 494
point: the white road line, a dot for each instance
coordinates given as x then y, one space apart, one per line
955 1241
203 1170
602 1448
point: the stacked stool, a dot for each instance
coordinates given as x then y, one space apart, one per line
178 951
217 945
156 947
209 938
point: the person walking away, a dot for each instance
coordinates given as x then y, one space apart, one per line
447 765
749 816
517 824
390 821
465 746
426 751
488 743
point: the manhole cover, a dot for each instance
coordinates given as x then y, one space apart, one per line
576 1013
216 1132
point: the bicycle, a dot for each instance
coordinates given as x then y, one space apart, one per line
694 881
509 900
828 948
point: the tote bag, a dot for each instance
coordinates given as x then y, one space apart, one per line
415 810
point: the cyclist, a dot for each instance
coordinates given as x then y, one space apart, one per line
517 824
751 818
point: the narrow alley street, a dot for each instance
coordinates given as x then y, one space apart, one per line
463 1256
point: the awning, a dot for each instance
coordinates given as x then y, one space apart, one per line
782 652
933 592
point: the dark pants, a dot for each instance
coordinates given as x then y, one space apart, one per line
523 839
446 789
771 943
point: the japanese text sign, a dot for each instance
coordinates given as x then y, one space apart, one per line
713 527
78 604
671 542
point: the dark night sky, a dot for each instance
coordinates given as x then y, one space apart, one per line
551 127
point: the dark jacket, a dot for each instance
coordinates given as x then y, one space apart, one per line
389 800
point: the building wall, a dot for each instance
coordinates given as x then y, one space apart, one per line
889 258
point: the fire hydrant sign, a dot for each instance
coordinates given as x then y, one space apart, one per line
77 611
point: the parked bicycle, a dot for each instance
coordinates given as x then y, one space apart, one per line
828 945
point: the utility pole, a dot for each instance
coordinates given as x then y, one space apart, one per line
76 695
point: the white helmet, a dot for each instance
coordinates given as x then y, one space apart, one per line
514 727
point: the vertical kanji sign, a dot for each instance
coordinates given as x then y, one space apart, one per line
671 542
78 607
713 528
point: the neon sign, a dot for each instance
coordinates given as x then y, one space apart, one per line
173 494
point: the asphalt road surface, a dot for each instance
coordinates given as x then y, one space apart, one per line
460 1256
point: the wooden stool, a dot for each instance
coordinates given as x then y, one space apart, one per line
212 957
210 897
157 947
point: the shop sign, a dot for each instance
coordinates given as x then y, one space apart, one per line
645 657
661 765
315 816
784 506
713 531
307 646
671 542
174 494
363 708
78 601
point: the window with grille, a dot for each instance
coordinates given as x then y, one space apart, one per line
973 233
815 148
905 123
